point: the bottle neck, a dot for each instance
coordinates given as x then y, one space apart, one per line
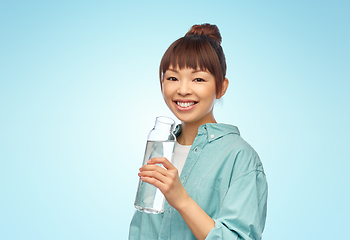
164 124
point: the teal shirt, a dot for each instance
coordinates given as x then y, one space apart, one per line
224 176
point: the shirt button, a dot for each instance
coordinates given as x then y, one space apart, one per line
196 149
205 127
212 136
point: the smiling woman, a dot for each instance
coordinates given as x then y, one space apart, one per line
215 188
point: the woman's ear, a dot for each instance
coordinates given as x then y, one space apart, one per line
223 89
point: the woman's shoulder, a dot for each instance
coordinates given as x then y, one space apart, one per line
239 152
229 135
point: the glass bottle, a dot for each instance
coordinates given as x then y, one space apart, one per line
160 143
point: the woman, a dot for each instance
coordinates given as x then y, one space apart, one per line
216 187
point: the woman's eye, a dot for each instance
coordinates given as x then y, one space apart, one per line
199 80
172 79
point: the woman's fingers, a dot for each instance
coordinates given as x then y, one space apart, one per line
171 171
154 167
162 160
154 182
161 173
153 174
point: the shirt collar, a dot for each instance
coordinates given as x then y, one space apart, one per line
213 130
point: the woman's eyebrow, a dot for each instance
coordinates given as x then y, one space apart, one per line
173 70
199 70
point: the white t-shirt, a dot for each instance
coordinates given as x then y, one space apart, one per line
180 155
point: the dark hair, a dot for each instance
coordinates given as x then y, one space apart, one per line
200 49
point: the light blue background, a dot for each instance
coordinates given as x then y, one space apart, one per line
80 91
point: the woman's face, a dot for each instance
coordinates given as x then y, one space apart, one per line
190 94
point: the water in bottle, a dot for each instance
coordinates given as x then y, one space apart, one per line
160 143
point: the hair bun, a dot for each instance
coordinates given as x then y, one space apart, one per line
206 29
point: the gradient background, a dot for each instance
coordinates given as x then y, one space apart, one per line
80 91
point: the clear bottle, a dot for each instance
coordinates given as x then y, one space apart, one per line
160 143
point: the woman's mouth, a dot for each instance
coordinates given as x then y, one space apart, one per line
185 106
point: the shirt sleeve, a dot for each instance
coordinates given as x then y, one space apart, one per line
242 211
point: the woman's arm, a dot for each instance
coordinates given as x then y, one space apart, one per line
196 219
168 182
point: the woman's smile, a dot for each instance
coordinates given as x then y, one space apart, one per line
185 105
190 94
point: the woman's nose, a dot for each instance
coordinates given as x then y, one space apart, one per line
184 89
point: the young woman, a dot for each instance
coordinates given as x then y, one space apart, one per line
216 187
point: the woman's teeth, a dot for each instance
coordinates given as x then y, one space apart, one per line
185 104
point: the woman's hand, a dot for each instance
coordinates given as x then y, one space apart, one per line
166 179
